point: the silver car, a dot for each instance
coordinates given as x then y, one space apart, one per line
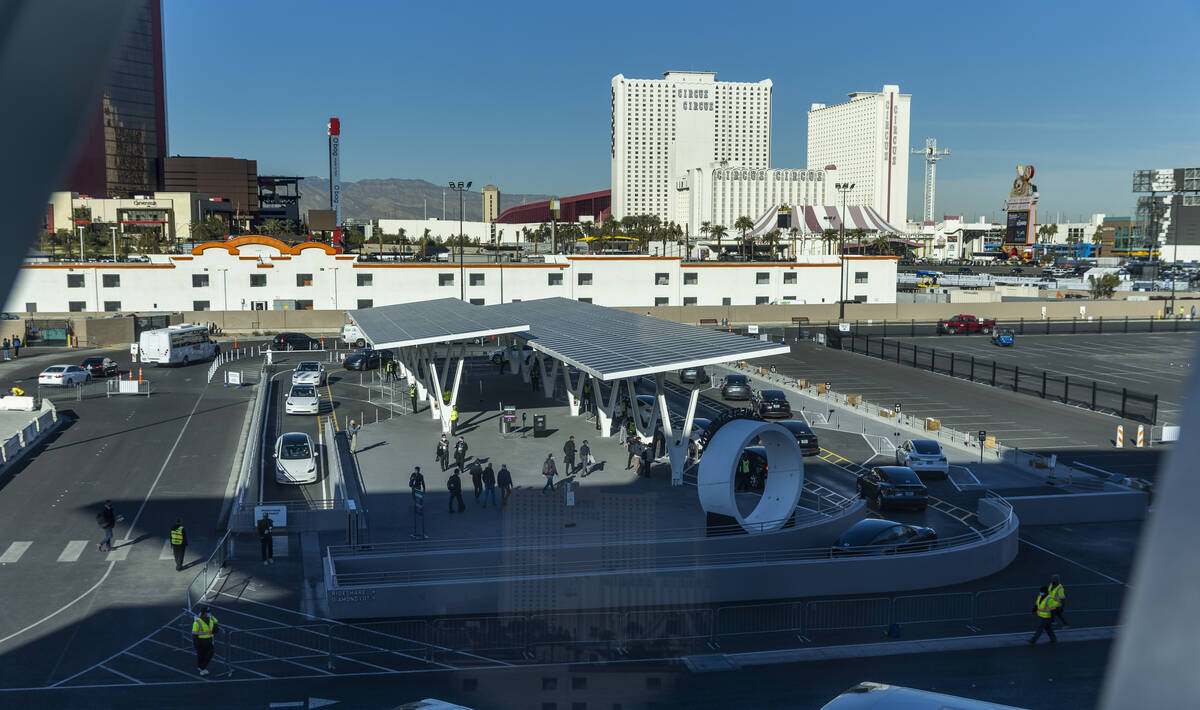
295 458
923 455
309 372
303 399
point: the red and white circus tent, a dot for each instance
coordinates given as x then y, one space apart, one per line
816 219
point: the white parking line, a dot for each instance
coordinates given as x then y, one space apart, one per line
72 551
14 552
118 554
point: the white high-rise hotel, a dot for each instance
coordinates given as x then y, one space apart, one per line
661 128
867 139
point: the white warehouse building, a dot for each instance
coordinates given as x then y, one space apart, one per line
262 273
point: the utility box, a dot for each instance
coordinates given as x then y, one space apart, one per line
854 399
803 383
820 388
539 425
932 424
989 442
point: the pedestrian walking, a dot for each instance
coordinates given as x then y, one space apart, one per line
412 396
5 348
266 539
585 458
352 430
1058 599
549 470
476 478
204 628
454 485
569 455
631 450
453 420
587 397
443 453
460 452
646 460
619 424
416 481
16 341
178 543
489 485
1042 609
504 480
107 520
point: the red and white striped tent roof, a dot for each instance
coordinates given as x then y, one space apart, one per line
810 219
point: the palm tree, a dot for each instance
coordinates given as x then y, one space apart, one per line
719 232
829 236
1098 240
772 239
425 244
881 243
744 224
792 232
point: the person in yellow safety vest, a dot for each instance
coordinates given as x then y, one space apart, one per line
1042 607
204 627
16 391
412 396
178 543
1058 599
453 420
446 396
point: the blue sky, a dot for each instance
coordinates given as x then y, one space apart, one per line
517 94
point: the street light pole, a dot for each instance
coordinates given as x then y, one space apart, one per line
80 242
114 240
842 187
460 188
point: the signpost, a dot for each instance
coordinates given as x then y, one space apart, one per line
418 496
982 438
277 514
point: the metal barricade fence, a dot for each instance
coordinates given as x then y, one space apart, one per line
750 619
600 629
667 625
403 637
842 614
198 589
498 633
308 646
925 608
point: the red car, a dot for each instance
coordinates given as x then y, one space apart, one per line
965 324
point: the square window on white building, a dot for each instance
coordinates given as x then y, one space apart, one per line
76 306
660 300
789 277
475 279
762 300
199 281
365 280
304 279
726 301
366 303
112 306
689 300
662 279
258 280
554 279
584 279
74 280
691 278
762 278
200 305
111 280
445 279
860 277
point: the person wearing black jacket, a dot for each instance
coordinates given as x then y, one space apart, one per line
266 539
454 485
416 481
460 452
107 520
489 485
504 479
476 478
569 456
178 543
442 454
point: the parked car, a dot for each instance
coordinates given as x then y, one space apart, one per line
874 536
295 458
773 404
100 366
893 486
700 427
294 341
302 399
309 372
735 387
923 455
1003 336
64 376
367 359
694 375
804 436
9 316
965 324
526 352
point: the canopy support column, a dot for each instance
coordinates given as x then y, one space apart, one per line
677 441
604 410
643 427
574 391
515 352
433 386
548 378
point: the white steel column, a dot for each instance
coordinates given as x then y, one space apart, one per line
604 410
677 441
548 378
644 429
574 391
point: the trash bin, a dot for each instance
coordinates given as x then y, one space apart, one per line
504 426
539 425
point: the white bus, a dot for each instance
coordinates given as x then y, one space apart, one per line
178 345
880 696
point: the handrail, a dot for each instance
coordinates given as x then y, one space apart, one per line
209 571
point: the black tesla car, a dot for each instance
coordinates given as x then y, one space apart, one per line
893 486
293 341
884 537
368 359
804 436
694 375
772 404
735 387
100 366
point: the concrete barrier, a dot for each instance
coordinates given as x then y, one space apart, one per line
29 433
45 421
1104 506
11 446
11 403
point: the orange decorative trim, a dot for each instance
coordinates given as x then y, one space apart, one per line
182 258
759 265
232 245
98 266
622 258
280 258
341 257
248 258
372 265
266 266
313 245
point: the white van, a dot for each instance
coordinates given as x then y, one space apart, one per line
353 335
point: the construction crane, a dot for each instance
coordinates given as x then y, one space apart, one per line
932 156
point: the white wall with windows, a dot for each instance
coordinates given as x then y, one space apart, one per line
265 276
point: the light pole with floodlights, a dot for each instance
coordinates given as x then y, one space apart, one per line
460 189
842 187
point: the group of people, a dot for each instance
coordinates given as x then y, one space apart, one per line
484 478
14 345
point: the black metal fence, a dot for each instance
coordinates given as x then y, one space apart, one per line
1079 391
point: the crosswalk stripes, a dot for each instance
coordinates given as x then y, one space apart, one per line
73 550
118 554
167 553
14 552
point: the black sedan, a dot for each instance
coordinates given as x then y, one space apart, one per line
694 375
368 359
893 486
735 387
294 341
772 404
884 537
804 437
100 367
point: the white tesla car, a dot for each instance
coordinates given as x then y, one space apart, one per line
295 458
303 399
923 455
309 372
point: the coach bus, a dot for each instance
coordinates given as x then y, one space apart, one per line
880 696
177 345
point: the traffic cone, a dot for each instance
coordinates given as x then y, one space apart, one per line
139 376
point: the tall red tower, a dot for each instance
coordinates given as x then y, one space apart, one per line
335 178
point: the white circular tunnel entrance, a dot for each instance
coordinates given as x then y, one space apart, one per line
781 493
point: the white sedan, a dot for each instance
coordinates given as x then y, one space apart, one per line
64 376
303 399
295 458
309 372
923 455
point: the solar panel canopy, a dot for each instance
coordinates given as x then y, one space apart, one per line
438 321
611 344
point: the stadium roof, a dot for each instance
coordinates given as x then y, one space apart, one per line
424 322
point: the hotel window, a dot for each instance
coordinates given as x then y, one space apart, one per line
258 280
584 279
660 301
445 279
111 280
789 277
585 300
860 277
476 301
726 301
200 305
762 277
690 278
365 280
304 305
689 300
199 281
366 303
475 279
762 300
112 306
662 279
304 279
74 280
76 306
554 279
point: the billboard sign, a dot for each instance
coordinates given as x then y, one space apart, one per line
1021 207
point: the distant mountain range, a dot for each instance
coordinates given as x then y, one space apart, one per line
396 198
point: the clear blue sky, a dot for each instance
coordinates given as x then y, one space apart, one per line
517 94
